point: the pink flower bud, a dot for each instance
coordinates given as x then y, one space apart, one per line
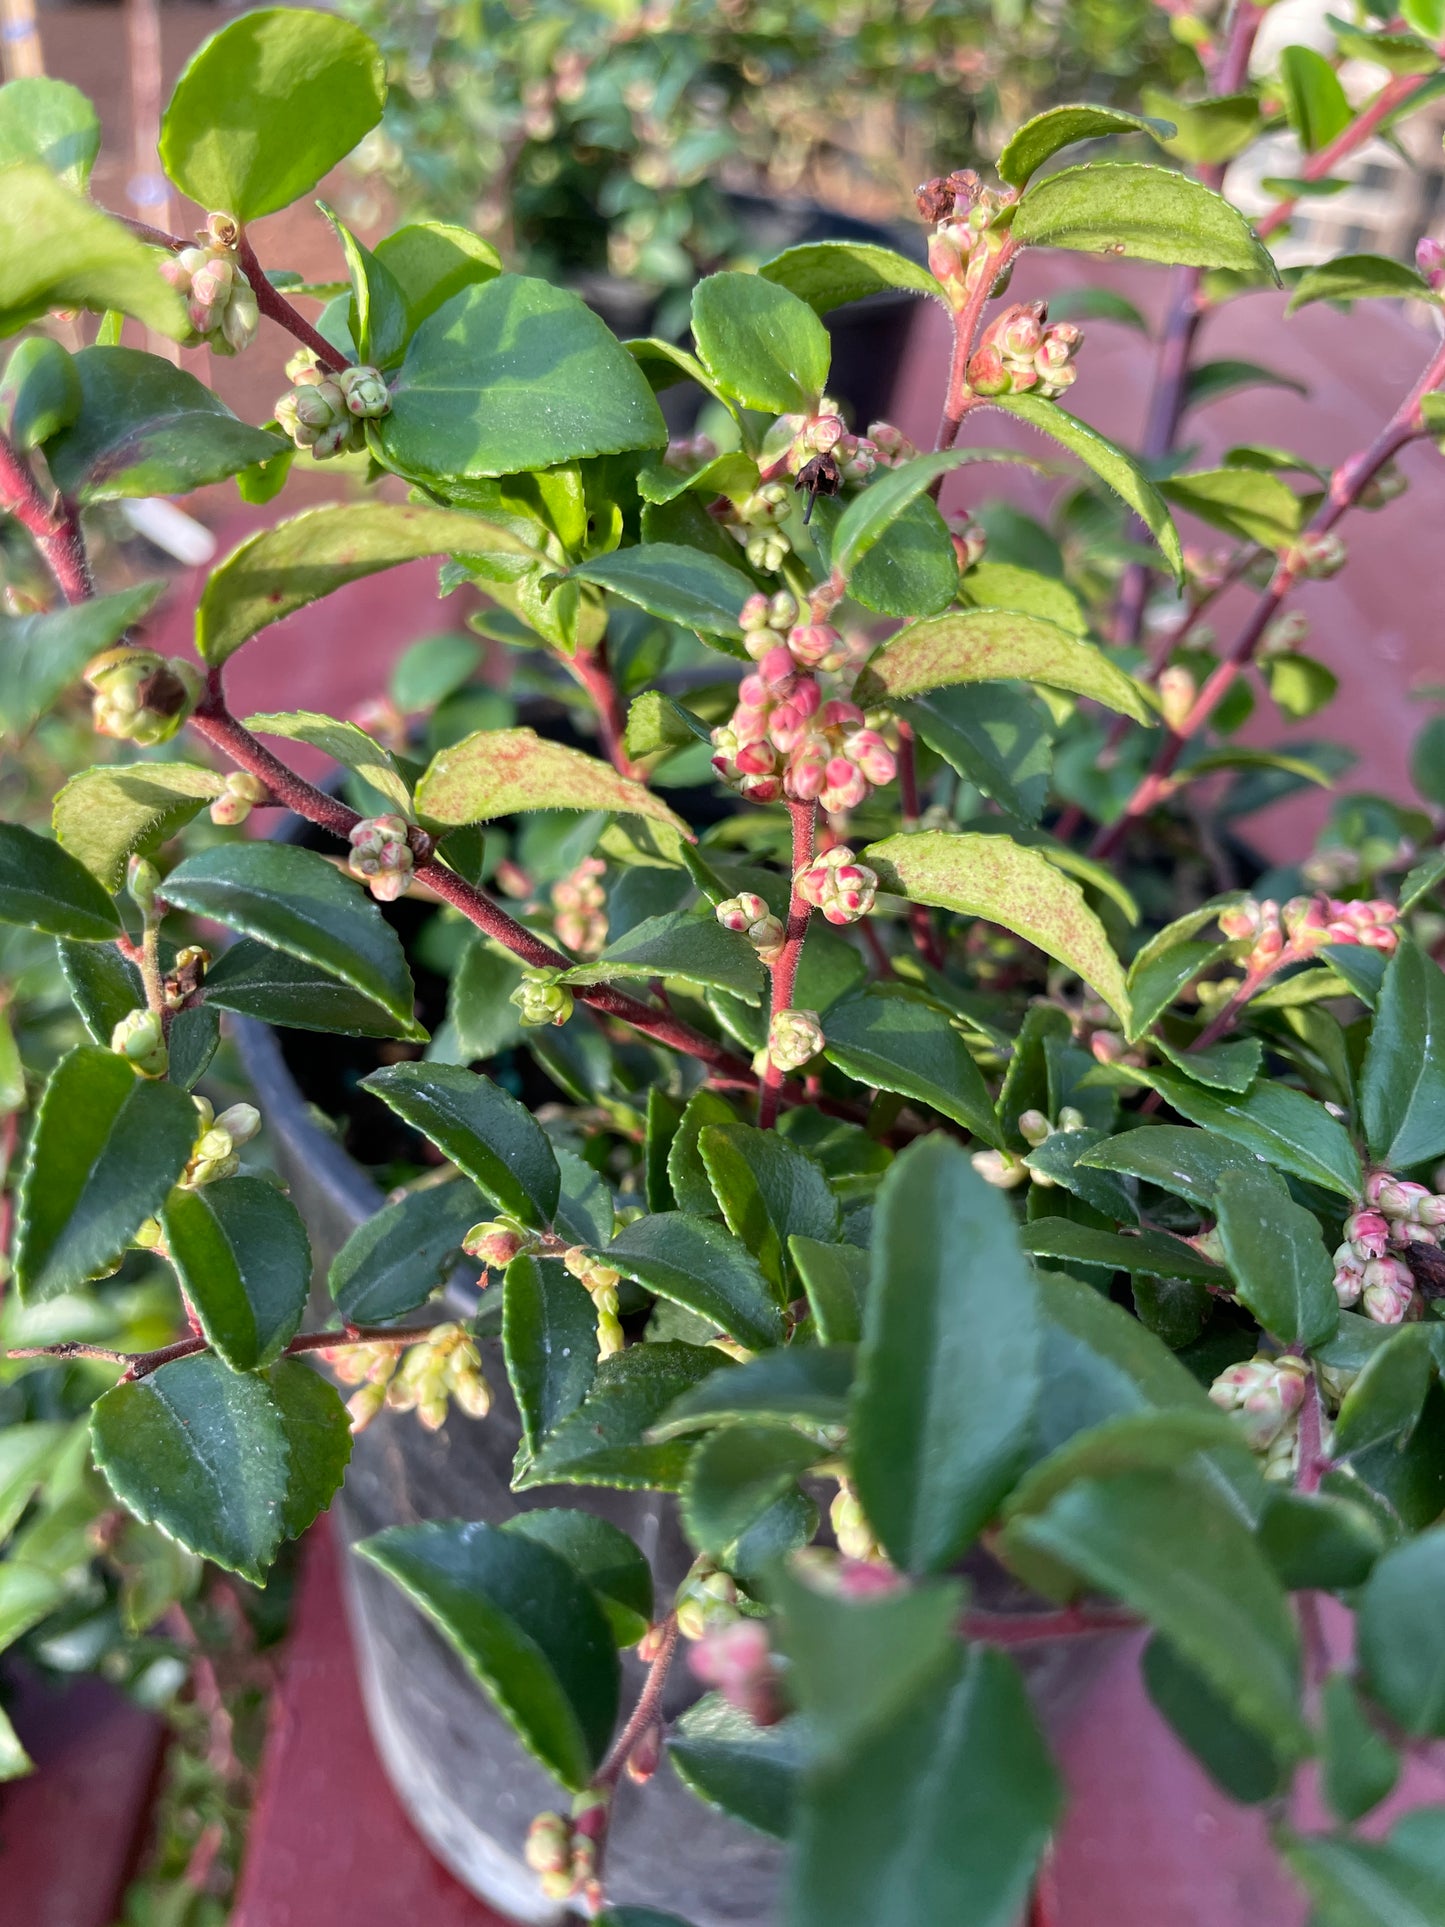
987 374
1389 1287
756 759
841 715
844 785
812 643
826 432
1431 1211
777 668
870 752
804 777
806 696
1368 1233
754 613
785 726
1430 260
753 691
738 913
1349 1280
1018 331
761 789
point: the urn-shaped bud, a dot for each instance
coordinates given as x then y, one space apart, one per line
1388 1289
381 856
794 1036
365 392
838 885
1263 1395
138 1038
239 797
139 696
542 1000
495 1243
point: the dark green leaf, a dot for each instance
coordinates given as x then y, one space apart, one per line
549 1336
1360 1767
513 376
767 1189
948 1367
695 1263
318 1441
685 1172
530 1628
267 106
606 1440
201 1451
1151 1439
1234 1755
257 981
1062 1159
750 1772
44 887
1276 1250
1153 1253
805 1385
107 815
40 390
827 274
1189 1163
1402 1085
106 1148
1324 1542
681 944
760 344
146 428
487 1134
1401 1634
1387 1398
606 1558
736 1473
998 737
299 903
1358 277
44 654
680 585
1281 1125
1039 139
886 497
1209 380
1145 213
835 1278
243 1260
396 1260
1356 1883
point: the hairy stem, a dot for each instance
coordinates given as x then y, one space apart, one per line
784 971
593 671
53 526
960 398
277 308
644 1713
1317 167
150 971
142 1364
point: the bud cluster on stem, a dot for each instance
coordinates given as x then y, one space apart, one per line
1369 1272
221 304
1264 1395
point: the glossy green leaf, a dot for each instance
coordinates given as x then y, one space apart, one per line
1144 213
749 1772
394 1261
1360 1767
377 316
44 654
768 1190
605 1557
1187 1162
49 121
146 428
1061 1158
431 261
298 902
948 1368
200 1451
1234 1755
282 569
1113 467
1314 99
40 390
88 260
1323 1541
485 1132
685 1174
736 1473
677 584
1154 1254
1003 882
998 736
759 342
828 274
1359 1883
317 1426
496 772
1401 1635
892 1042
607 1440
105 816
300 89
1280 1125
106 1148
529 1627
1276 1250
1358 277
1183 1558
804 1385
885 499
683 945
1385 1401
255 980
1402 1084
942 1815
985 645
1039 139
44 888
243 1260
1147 1440
514 376
695 1263
345 744
1243 502
549 1337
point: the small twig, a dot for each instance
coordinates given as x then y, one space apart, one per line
644 1713
960 398
1313 1462
1044 1908
592 670
1032 1629
150 970
1395 93
142 1364
784 970
53 526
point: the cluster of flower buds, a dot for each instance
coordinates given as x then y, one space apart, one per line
565 1853
772 622
817 450
890 446
1306 924
381 856
783 739
794 1037
1317 555
970 540
736 1659
139 696
579 905
1430 260
706 1598
838 884
855 1536
423 1378
600 1281
1396 1214
220 301
541 999
324 411
185 976
140 1039
1019 352
750 916
964 248
1035 1129
1264 1395
214 1153
242 793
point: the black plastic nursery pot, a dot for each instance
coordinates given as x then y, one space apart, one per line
459 1771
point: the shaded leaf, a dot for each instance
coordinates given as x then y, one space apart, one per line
485 1132
1402 1084
44 888
749 1772
241 1254
893 1042
607 1441
695 1263
1276 1250
394 1261
828 274
549 1338
107 815
44 654
605 1557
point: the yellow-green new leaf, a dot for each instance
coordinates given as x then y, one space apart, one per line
495 772
57 250
993 645
344 743
1145 213
282 569
997 879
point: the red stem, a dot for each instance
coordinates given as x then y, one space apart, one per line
54 526
960 397
644 1713
1313 1464
142 1364
1317 167
1346 484
592 670
1031 1629
784 971
274 304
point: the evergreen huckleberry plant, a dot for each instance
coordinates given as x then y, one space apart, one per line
945 1171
